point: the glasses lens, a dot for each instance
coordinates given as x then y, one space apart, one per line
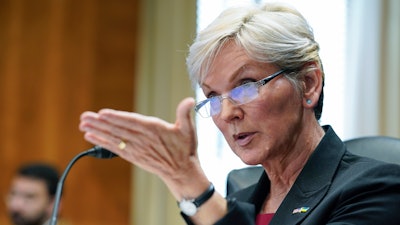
203 108
215 106
208 107
244 93
240 95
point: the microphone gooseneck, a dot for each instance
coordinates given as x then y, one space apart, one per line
100 152
96 151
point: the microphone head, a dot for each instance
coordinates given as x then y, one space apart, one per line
101 153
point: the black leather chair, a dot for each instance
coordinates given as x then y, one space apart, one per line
382 148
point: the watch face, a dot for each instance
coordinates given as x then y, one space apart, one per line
188 207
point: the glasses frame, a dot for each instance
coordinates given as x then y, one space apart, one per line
259 83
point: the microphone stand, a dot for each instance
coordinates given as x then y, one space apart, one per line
96 151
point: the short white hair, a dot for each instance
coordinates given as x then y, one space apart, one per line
274 33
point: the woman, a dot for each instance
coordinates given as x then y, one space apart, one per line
260 70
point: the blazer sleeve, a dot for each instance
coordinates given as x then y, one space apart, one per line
238 213
373 198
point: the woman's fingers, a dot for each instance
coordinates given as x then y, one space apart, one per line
151 143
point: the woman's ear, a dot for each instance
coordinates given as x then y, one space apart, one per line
313 83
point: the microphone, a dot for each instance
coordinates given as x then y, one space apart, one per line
96 151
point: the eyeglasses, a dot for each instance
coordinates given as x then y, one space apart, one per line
239 95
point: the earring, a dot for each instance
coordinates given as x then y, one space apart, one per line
308 101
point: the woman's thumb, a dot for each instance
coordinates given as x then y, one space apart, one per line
183 114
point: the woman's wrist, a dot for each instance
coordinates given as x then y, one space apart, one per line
187 183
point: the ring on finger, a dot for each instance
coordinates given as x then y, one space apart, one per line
122 145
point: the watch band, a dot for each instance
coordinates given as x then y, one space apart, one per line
190 207
204 196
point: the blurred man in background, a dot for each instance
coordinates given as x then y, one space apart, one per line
31 196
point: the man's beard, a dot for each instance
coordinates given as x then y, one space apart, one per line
18 219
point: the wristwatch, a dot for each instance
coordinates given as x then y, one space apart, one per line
189 207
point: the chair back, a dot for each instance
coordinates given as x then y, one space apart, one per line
381 148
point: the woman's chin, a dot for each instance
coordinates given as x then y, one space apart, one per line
250 161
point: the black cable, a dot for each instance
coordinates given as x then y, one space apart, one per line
98 152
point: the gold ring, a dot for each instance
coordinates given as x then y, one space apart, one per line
122 145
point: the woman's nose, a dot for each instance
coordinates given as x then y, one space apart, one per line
230 110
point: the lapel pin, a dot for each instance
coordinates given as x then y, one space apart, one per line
300 210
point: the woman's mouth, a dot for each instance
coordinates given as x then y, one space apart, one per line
242 139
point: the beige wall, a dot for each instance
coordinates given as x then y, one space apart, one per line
167 29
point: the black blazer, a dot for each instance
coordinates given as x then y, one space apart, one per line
334 187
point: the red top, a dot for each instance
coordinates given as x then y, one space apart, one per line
264 219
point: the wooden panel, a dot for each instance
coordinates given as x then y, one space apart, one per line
58 59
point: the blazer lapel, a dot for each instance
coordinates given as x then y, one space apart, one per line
313 182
